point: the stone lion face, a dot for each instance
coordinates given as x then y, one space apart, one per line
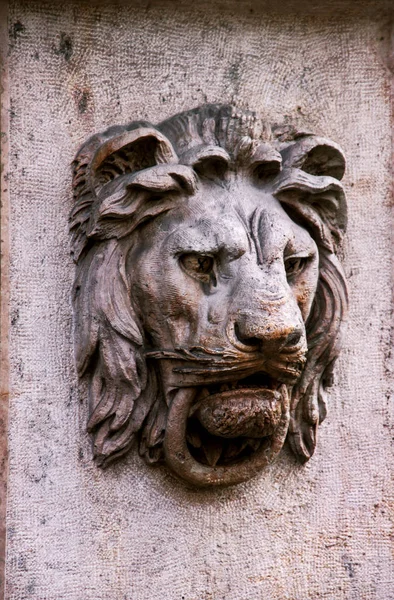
227 268
227 272
208 303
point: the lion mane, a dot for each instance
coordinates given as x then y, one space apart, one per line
143 162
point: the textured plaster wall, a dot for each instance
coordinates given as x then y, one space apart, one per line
132 532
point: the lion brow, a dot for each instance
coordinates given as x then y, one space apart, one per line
296 179
198 155
159 178
319 200
119 211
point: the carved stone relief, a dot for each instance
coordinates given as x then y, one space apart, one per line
208 297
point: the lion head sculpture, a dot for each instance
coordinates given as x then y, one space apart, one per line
208 298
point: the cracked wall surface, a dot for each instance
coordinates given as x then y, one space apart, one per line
322 530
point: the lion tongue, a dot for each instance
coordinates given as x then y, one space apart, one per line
242 412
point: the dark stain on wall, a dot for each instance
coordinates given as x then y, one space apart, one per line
65 47
16 30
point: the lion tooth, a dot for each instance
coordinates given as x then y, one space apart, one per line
194 439
213 452
231 450
234 449
224 387
254 443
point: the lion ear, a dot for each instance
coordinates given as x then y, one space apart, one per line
133 199
103 158
316 156
309 187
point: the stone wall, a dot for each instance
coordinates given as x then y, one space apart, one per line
131 532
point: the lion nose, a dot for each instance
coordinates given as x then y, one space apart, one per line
268 339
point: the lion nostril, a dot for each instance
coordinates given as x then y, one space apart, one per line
270 339
247 341
293 338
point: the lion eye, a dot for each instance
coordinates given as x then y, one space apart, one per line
295 265
199 265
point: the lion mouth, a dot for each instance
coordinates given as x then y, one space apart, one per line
233 420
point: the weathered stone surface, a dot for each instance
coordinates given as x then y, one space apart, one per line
296 532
